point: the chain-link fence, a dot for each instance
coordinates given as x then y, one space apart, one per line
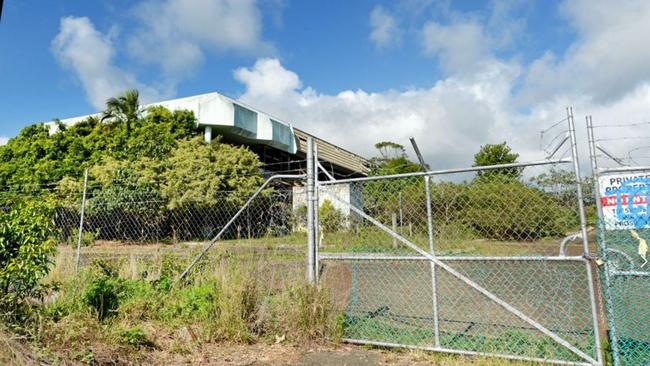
497 234
126 220
149 219
622 191
470 261
525 210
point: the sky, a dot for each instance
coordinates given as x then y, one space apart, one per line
454 74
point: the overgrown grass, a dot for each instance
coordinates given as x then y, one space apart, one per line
123 304
127 306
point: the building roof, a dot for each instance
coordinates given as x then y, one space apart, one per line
248 125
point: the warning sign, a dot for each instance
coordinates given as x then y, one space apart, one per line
624 198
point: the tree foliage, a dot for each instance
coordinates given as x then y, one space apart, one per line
497 205
36 157
497 154
390 150
198 173
331 218
152 156
25 251
124 108
508 209
381 196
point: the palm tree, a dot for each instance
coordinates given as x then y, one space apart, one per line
124 108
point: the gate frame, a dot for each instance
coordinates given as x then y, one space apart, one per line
438 261
607 271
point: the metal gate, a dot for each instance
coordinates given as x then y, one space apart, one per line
621 194
463 261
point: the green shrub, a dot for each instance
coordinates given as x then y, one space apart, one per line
87 238
26 249
136 337
506 209
331 219
102 296
299 218
190 304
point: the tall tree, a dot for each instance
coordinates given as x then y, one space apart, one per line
392 160
497 154
124 108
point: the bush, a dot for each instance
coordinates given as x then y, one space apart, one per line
192 304
87 238
506 209
102 296
26 249
331 219
135 337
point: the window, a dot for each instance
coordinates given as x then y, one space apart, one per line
246 120
281 133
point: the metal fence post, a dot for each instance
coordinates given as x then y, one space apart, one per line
310 210
401 213
81 221
316 217
583 231
434 292
576 168
601 239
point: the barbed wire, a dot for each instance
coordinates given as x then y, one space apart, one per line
559 135
553 125
623 138
618 125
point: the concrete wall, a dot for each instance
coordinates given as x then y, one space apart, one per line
344 192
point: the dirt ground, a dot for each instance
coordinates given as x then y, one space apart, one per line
312 355
19 354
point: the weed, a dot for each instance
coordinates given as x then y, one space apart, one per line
136 337
102 296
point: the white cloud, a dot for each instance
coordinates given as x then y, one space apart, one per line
609 58
175 33
450 119
385 30
90 55
3 140
267 78
460 46
464 42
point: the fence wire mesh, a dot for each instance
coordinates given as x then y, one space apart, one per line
507 212
392 301
120 217
499 232
624 231
147 218
620 166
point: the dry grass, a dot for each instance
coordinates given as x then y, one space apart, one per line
260 298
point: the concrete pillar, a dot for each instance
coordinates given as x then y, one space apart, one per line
208 134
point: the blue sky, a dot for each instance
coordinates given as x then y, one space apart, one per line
352 71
